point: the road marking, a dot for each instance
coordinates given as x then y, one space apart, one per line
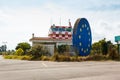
44 64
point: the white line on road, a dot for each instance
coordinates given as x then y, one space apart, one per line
44 64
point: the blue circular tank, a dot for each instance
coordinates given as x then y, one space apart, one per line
82 37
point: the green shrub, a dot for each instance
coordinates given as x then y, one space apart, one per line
25 57
8 56
114 55
58 57
19 52
38 51
15 57
97 57
18 57
0 53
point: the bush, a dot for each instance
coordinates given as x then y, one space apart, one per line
63 58
55 57
8 56
25 57
114 55
63 49
45 58
38 51
0 53
81 58
19 52
73 58
97 57
18 57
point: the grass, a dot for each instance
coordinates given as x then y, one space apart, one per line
61 58
25 57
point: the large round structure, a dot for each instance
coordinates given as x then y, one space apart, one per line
82 38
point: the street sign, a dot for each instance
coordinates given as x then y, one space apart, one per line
117 38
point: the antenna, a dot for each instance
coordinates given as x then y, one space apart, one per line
69 23
60 21
51 21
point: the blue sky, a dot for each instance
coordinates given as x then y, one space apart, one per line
20 18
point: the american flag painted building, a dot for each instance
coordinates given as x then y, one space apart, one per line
60 32
58 35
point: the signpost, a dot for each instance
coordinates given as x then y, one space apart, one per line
117 39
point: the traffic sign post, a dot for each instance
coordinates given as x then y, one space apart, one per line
117 39
118 43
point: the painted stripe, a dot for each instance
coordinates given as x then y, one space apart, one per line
44 64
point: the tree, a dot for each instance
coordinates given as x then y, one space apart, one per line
96 48
110 46
24 46
3 48
106 46
102 46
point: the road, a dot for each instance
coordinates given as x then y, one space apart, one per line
45 70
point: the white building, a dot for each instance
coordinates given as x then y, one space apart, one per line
58 35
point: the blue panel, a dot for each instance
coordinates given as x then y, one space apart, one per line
82 38
117 38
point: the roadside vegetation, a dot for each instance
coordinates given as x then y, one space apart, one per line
101 51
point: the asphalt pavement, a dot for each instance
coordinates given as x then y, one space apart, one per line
45 70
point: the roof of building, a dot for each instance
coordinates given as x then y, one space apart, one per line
61 26
48 39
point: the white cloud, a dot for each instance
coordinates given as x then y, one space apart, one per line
20 24
104 24
17 24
